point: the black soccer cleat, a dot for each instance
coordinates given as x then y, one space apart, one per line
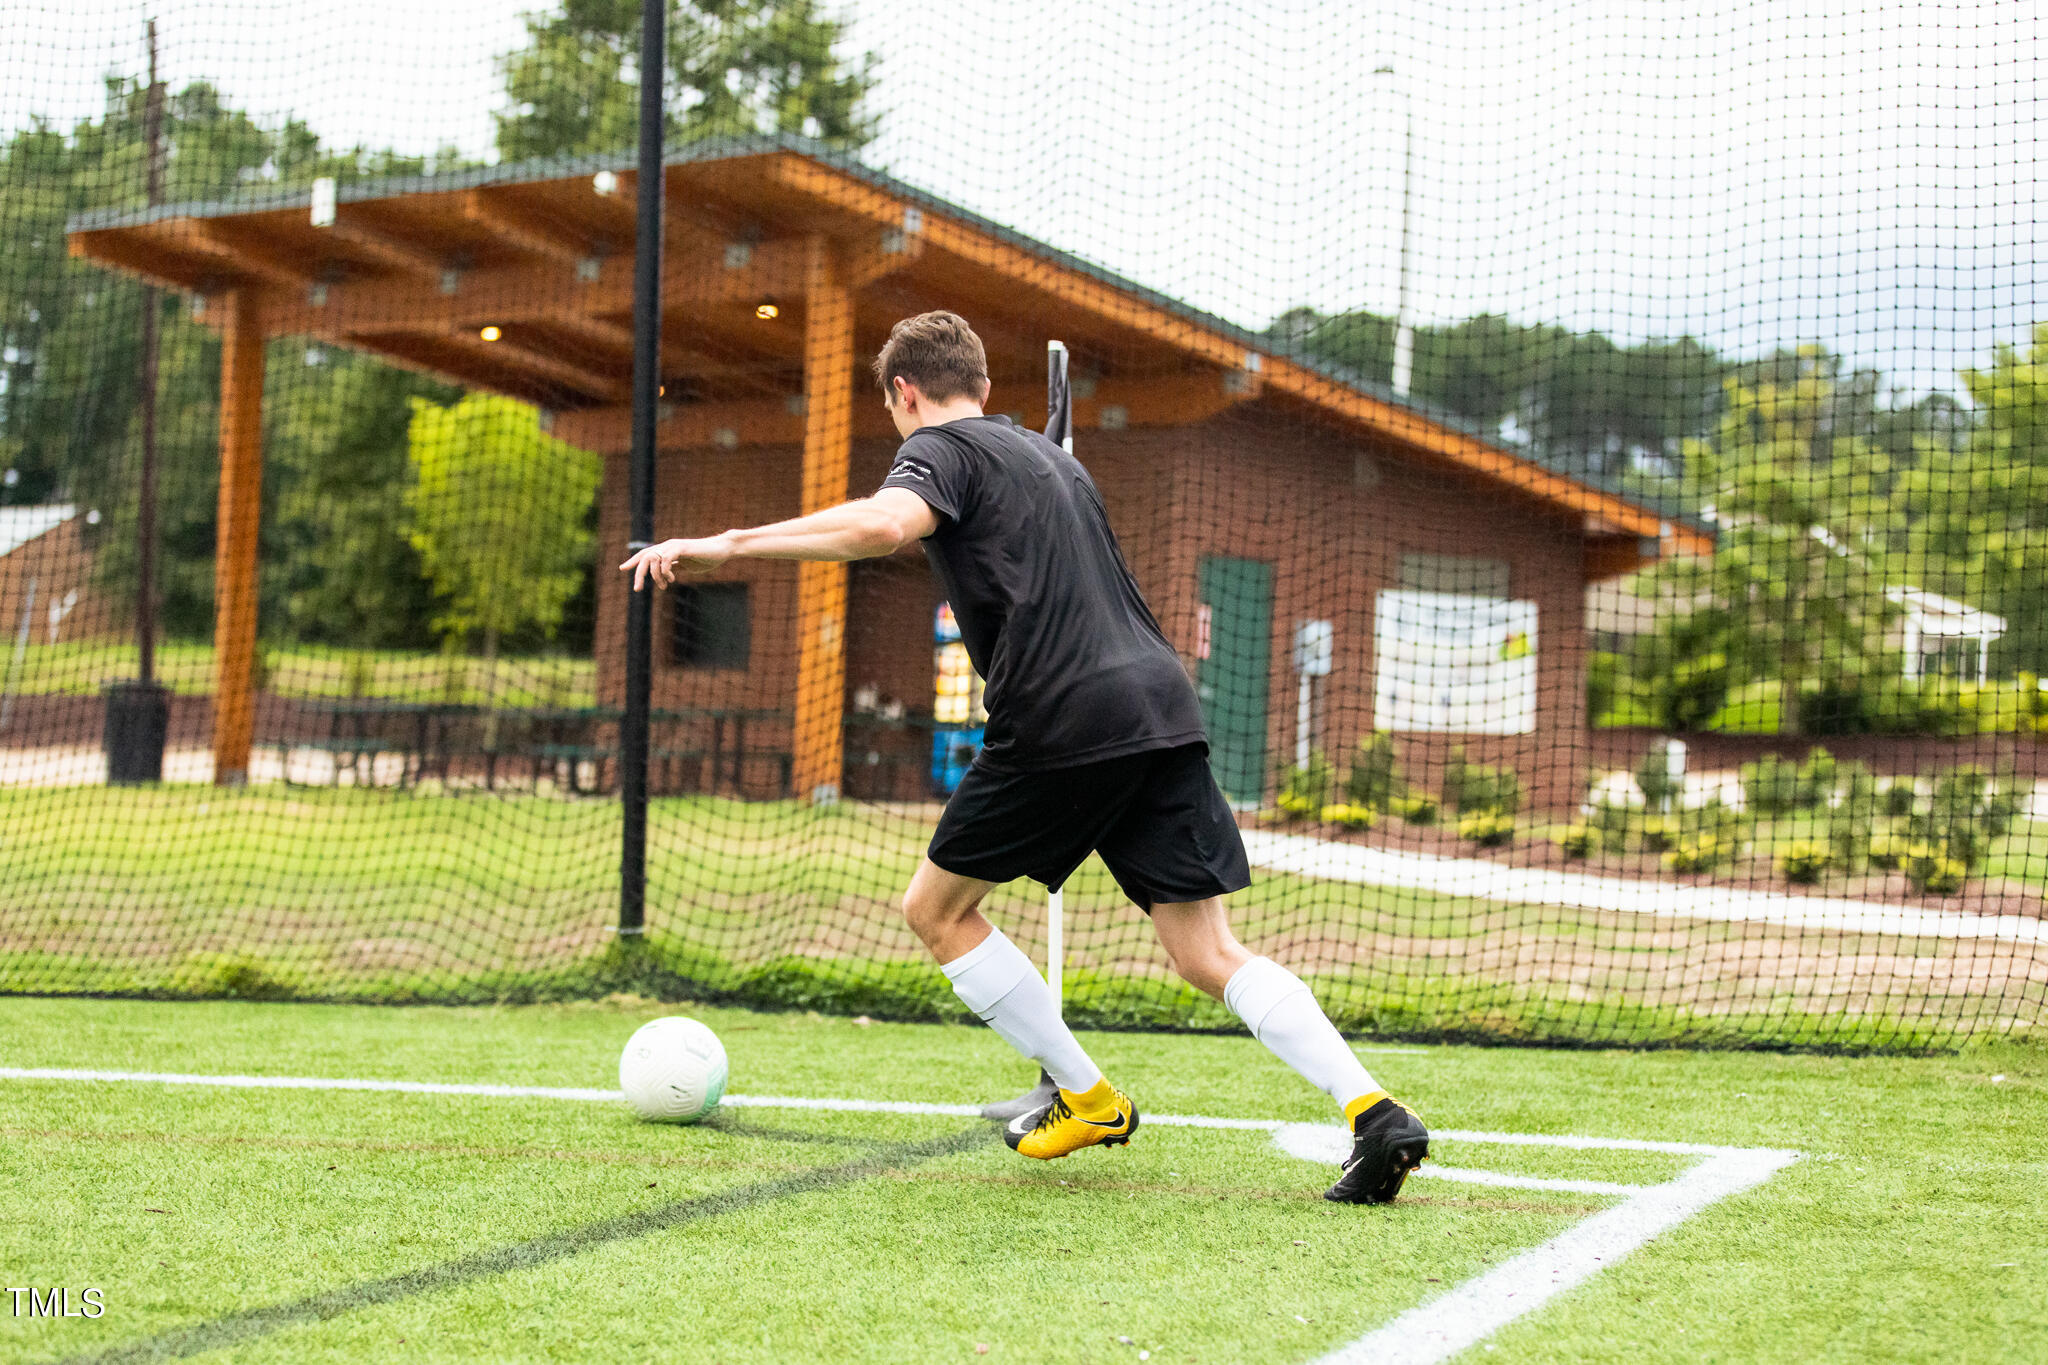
1387 1141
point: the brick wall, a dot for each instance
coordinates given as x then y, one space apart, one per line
60 565
1331 513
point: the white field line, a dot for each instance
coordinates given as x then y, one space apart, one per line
1484 880
1475 1310
1430 1333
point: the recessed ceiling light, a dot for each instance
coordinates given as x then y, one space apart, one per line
767 311
490 334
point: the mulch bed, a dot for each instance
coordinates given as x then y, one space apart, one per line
1979 896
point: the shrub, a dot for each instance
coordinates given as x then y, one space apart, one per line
1852 818
1417 808
1834 706
1804 861
1817 779
1932 871
1470 787
1965 814
1899 798
1296 807
1306 788
1698 853
1659 833
1612 820
1713 816
1579 841
1489 828
1770 786
1375 778
1887 851
1349 815
1603 683
1654 780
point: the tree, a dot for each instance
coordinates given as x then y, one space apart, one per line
1794 585
69 353
499 515
1978 517
735 67
1579 400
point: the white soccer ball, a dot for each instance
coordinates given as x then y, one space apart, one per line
673 1070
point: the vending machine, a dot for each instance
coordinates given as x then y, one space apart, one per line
957 711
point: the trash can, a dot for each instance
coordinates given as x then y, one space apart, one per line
138 715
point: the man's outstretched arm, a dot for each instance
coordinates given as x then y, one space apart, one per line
865 528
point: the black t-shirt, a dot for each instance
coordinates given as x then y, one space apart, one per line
1077 668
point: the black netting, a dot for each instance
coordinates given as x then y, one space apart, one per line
1591 465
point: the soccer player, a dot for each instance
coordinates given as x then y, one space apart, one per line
1094 742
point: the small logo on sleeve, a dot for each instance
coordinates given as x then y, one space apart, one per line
912 469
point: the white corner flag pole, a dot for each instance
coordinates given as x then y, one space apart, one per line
1059 426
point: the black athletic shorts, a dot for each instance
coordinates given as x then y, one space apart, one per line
1156 818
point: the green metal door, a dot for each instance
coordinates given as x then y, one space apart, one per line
1235 655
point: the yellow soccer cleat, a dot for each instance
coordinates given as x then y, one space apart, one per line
1056 1129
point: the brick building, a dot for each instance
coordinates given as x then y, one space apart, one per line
45 574
1253 491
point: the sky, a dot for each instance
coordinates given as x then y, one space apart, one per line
1851 172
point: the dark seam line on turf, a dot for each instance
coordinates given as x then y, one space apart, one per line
260 1322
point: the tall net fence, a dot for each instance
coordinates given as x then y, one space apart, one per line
1592 464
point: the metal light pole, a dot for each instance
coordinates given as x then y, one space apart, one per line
633 722
138 711
1404 322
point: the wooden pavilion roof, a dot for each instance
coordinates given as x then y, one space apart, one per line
538 258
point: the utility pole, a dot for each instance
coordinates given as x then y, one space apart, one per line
1404 322
138 712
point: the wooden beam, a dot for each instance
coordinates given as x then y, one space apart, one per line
527 292
389 249
234 555
1081 291
509 352
121 249
523 230
1161 401
821 588
240 254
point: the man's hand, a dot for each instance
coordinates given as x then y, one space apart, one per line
664 561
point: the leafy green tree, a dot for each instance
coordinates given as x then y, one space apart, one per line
1978 517
1580 400
499 513
69 361
1795 587
735 67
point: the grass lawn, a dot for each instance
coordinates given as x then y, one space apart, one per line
82 667
383 896
299 1225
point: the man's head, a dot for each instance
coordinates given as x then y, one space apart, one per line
931 361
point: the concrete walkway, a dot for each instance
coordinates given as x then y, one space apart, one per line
1483 879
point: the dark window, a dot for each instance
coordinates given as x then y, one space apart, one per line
713 627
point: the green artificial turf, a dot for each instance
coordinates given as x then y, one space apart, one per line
426 1227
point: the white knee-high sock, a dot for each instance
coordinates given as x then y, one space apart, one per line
1282 1013
997 982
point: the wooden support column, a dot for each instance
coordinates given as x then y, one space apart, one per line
821 588
234 555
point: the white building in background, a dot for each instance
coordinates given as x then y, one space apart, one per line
1943 637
